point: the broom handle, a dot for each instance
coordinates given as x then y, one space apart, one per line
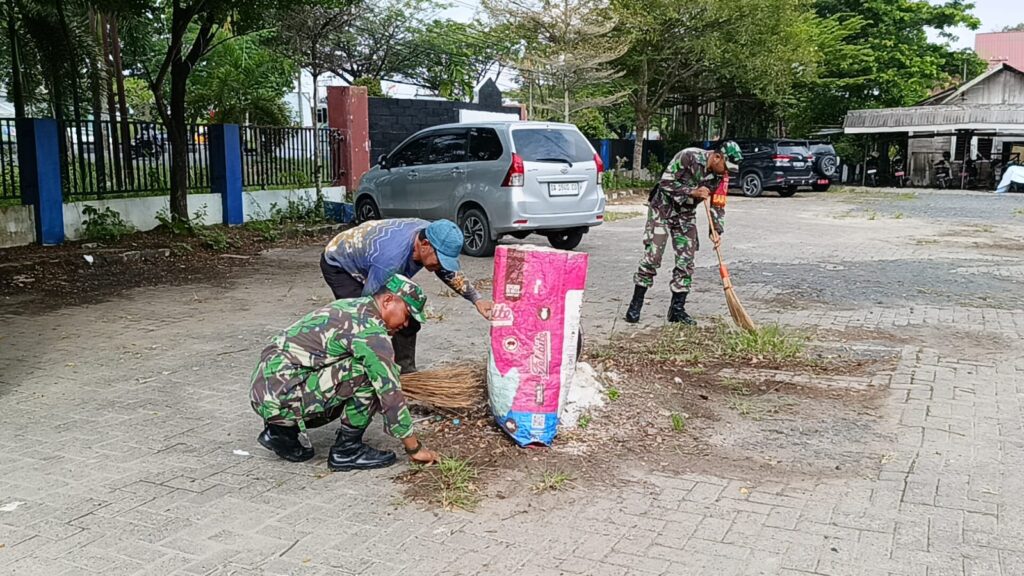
722 270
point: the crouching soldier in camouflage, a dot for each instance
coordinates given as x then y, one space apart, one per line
687 181
338 363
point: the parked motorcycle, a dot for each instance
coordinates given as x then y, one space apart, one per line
943 176
871 170
899 173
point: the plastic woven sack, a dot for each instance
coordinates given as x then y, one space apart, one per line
538 295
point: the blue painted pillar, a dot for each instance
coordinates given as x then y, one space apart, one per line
606 154
226 170
39 166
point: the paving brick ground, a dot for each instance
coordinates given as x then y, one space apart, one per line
121 420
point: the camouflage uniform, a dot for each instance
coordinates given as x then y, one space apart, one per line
672 212
336 362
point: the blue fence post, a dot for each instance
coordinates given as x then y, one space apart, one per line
226 170
39 167
606 154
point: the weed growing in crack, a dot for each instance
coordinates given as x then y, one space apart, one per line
678 422
552 481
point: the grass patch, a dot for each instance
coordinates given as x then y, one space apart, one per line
1018 212
678 422
693 347
872 215
615 216
584 421
613 393
898 216
552 482
450 484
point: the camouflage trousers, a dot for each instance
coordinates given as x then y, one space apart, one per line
683 232
355 403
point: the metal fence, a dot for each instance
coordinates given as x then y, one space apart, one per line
10 182
275 157
104 158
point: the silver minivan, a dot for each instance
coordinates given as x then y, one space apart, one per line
493 179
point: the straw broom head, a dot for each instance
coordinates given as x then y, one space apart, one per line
459 385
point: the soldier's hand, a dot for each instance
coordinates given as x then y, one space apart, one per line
425 456
484 307
702 193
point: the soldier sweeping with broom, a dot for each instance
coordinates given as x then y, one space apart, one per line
686 183
337 363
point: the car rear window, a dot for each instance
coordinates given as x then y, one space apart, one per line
793 150
551 145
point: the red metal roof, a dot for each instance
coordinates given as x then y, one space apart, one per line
1001 47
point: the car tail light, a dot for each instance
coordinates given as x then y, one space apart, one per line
599 163
516 175
781 159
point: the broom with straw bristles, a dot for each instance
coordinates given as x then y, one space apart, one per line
459 385
739 315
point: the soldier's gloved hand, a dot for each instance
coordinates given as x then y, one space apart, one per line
701 194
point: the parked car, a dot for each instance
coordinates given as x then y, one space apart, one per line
783 165
493 179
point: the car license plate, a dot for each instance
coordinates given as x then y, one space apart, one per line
823 181
798 164
563 188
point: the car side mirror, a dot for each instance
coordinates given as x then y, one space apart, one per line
382 161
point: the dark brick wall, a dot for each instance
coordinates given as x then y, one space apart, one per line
393 120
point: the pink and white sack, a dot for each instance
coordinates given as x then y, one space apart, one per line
535 327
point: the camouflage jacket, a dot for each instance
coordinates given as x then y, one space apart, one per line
317 363
685 173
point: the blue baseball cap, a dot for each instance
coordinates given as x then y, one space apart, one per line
446 239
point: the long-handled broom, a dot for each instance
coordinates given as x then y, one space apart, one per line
739 315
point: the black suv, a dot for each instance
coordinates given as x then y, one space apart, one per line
783 165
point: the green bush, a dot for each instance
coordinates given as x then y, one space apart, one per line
103 225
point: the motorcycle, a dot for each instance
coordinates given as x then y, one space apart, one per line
943 177
871 170
899 173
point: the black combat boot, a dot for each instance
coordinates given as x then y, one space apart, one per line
677 310
405 351
633 313
349 452
284 441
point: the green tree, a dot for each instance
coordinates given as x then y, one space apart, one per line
372 85
1014 28
379 41
896 64
454 57
568 48
242 82
591 122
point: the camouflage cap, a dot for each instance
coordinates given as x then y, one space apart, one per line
731 151
411 293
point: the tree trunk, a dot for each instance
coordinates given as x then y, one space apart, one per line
643 121
115 140
17 92
122 100
316 142
96 88
177 132
565 102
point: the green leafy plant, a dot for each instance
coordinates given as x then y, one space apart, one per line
552 481
584 421
103 225
678 422
613 393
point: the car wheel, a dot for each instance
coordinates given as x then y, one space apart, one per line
752 186
787 192
828 166
820 187
566 239
477 230
366 210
